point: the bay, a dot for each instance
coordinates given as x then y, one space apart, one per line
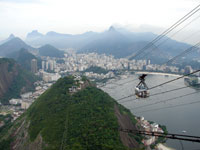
176 119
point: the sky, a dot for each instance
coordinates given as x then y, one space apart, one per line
78 16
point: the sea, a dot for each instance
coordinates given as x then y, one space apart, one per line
180 115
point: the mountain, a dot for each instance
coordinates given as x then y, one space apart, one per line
48 50
13 45
8 39
61 41
116 41
24 57
86 120
13 80
34 35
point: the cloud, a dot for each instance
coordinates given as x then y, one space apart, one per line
19 1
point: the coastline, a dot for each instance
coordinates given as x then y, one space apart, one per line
161 146
157 73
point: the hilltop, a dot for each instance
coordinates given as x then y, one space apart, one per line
49 50
59 119
13 45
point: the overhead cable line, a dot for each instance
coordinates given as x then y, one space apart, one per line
184 18
179 105
165 135
171 36
159 93
161 84
118 84
163 101
183 53
174 79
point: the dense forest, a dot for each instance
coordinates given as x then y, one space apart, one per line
61 120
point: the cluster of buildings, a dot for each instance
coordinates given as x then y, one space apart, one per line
23 103
51 70
79 85
149 127
49 64
49 77
110 74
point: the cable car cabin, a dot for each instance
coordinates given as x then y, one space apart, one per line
141 90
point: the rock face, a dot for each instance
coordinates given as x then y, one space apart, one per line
87 119
13 80
7 75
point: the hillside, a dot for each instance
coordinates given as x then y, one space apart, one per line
86 120
48 50
12 36
13 80
13 45
24 57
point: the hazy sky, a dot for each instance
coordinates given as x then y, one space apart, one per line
77 16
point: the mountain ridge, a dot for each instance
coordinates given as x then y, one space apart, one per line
13 45
60 120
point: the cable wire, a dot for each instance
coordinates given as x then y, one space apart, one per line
184 18
183 53
195 102
144 54
174 79
161 84
170 99
159 93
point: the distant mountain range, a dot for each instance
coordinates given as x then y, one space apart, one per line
118 42
13 45
13 49
8 39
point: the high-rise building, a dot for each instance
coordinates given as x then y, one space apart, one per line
43 65
47 65
33 65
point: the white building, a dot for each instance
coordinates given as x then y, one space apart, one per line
25 104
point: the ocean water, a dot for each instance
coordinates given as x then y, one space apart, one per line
176 119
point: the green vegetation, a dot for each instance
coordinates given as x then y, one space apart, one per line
85 119
79 121
21 80
96 69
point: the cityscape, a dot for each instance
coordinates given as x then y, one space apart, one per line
99 75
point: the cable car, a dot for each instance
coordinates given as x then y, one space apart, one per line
141 90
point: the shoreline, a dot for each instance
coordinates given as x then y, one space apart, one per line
161 146
157 73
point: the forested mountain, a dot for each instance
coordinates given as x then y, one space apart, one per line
86 120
